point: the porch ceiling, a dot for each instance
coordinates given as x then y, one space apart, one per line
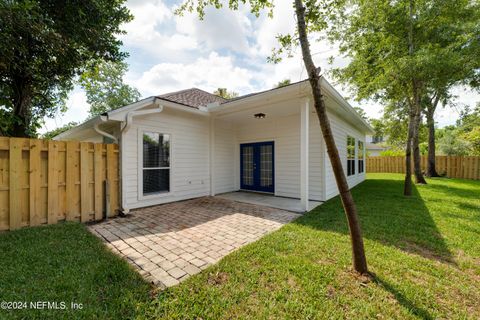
246 114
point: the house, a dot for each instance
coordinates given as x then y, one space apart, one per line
375 145
191 143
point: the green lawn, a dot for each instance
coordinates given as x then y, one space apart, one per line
423 251
65 263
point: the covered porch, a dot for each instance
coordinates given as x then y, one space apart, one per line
270 147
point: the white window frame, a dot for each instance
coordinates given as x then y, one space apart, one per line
160 194
363 156
354 156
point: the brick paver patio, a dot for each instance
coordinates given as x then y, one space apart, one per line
170 242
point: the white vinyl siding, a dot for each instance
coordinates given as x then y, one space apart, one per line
284 131
224 160
190 155
189 161
341 129
316 161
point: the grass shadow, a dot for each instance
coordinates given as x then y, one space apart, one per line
401 298
387 217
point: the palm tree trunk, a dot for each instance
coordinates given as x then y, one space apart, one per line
359 259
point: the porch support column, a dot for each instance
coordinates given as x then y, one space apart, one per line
304 152
212 156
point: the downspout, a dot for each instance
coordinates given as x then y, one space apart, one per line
103 133
127 125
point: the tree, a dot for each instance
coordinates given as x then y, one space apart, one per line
450 143
224 93
395 122
45 44
469 129
283 83
105 89
379 127
312 17
401 51
49 135
361 113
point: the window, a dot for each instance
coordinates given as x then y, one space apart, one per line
361 155
350 156
377 139
156 163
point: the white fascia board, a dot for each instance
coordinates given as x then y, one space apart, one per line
73 132
346 106
120 114
295 90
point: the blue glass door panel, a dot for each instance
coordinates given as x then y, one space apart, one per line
257 166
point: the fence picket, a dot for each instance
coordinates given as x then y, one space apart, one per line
84 181
52 182
15 219
111 173
34 181
98 181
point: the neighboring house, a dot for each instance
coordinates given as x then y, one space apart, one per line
191 143
375 145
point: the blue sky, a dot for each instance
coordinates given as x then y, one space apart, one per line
226 49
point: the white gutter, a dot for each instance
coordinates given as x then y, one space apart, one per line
123 131
103 133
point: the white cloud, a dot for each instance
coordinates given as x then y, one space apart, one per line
205 73
226 49
144 31
266 29
220 29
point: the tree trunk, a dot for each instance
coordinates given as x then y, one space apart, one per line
21 112
417 164
359 259
430 112
407 188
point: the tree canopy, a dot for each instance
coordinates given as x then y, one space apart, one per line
283 83
105 88
224 93
45 44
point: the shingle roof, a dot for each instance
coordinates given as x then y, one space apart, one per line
264 91
192 97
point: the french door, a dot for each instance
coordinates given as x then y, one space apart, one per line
257 166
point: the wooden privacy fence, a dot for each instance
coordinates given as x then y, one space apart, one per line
451 166
43 182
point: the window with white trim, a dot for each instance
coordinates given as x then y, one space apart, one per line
361 157
156 163
350 156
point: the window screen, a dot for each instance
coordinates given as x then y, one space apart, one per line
361 156
156 163
350 156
